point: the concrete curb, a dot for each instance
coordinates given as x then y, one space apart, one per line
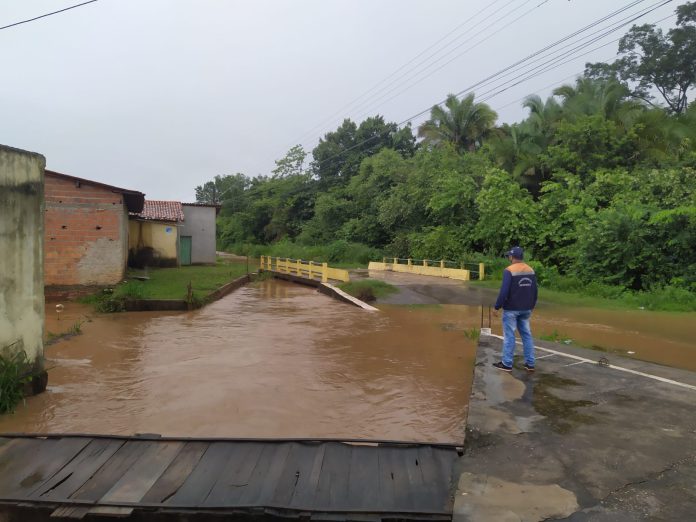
337 293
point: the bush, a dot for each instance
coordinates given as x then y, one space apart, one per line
339 251
14 366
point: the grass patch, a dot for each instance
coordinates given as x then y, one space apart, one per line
555 337
13 376
168 283
368 289
472 334
75 329
172 283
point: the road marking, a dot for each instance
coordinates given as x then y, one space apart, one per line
620 368
575 363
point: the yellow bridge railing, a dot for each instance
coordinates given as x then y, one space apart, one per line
306 269
428 267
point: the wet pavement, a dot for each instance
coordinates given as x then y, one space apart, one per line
578 440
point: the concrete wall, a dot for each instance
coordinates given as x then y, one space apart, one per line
157 235
199 223
86 234
21 252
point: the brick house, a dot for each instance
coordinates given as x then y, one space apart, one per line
86 230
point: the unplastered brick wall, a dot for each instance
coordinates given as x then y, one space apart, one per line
85 233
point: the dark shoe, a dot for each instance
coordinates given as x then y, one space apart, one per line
501 366
530 369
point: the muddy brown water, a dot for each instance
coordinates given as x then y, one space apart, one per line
274 359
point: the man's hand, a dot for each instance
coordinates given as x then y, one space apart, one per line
496 312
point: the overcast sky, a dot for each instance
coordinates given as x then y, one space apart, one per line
162 95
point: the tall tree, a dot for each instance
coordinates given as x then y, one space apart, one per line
463 123
292 164
221 188
651 60
338 156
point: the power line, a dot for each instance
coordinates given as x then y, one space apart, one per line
409 120
558 60
417 70
382 99
574 75
378 84
47 14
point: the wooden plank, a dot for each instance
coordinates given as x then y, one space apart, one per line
437 473
111 511
269 479
251 493
177 472
387 484
142 475
71 477
27 470
397 478
200 482
418 497
112 470
298 465
6 442
308 483
16 453
235 478
363 480
332 492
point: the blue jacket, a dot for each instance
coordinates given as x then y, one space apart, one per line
519 289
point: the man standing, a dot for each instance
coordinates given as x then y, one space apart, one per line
517 298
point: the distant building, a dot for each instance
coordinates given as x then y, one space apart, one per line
154 235
86 230
198 234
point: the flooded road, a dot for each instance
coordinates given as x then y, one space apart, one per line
273 359
667 338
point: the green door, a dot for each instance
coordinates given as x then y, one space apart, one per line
185 250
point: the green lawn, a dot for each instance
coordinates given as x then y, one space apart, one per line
368 289
171 283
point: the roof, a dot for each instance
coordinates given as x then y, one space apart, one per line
157 210
210 205
132 198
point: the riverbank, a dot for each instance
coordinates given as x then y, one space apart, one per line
667 299
577 440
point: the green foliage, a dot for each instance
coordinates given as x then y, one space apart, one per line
461 123
653 61
598 185
353 254
14 374
368 289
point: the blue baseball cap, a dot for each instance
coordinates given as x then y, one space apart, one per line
515 252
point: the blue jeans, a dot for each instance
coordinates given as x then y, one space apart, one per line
517 320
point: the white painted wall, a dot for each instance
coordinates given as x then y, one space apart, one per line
199 223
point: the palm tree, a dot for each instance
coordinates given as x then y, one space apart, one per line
607 98
463 123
